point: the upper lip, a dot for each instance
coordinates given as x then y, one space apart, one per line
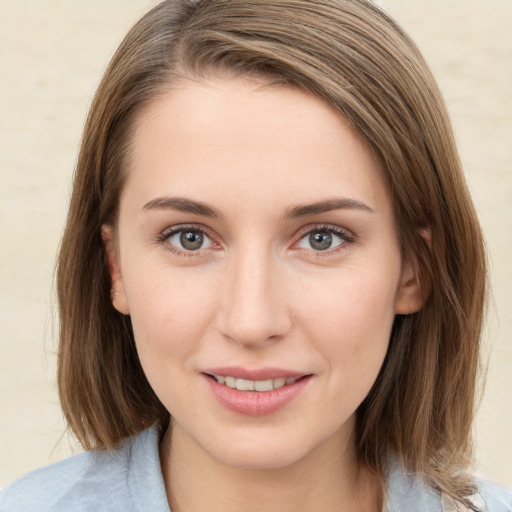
254 374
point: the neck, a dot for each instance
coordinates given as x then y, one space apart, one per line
327 480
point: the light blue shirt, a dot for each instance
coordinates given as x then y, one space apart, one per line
129 479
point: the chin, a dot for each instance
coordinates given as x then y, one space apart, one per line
259 460
260 453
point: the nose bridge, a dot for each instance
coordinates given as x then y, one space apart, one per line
255 308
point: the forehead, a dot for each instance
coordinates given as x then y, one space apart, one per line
242 137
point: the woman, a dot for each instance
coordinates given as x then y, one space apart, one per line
272 278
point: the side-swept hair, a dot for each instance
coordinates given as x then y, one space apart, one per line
355 57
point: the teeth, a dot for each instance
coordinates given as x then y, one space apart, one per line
245 385
279 383
254 385
264 385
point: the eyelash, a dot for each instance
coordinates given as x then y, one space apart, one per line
346 236
163 239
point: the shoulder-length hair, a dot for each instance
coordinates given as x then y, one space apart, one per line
357 59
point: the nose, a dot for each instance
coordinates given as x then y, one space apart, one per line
254 307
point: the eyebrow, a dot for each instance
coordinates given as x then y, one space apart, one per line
181 204
328 205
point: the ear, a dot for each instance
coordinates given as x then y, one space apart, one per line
415 283
118 295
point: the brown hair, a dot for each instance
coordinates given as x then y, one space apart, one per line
356 58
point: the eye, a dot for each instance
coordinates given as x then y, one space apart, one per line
324 239
189 239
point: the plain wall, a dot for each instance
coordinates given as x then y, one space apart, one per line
52 54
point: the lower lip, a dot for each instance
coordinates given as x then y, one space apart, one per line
256 403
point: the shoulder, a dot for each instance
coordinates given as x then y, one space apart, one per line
490 497
406 492
77 481
95 480
495 497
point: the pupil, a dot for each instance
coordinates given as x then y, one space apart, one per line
191 240
320 240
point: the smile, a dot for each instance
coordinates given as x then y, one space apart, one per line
254 385
267 392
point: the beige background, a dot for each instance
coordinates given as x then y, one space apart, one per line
52 53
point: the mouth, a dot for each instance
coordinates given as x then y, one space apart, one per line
260 386
256 392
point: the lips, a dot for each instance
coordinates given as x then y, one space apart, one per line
254 374
255 392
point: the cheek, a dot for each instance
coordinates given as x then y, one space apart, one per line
170 313
350 320
352 334
170 319
363 300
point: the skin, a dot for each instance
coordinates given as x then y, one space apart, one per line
258 293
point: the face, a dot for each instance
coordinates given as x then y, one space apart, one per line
257 255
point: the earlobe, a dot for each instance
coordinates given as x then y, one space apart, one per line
117 294
415 283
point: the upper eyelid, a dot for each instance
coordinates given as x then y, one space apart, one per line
348 237
162 239
304 230
171 230
347 234
332 228
165 234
